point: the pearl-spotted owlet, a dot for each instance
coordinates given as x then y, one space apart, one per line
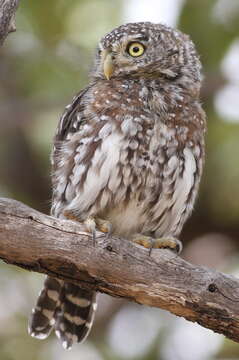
127 157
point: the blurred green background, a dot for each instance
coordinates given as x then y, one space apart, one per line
42 66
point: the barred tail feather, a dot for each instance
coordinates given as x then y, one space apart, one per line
65 307
76 314
43 315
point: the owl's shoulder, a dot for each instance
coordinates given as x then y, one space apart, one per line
70 119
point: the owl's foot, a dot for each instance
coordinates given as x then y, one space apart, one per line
167 243
94 223
103 225
159 243
71 216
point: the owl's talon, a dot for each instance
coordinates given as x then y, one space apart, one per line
94 238
91 226
145 241
168 243
90 223
179 247
95 223
70 216
159 243
103 225
150 250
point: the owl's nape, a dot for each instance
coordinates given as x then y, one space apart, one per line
128 153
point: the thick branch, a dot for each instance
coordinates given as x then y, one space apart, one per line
118 267
7 18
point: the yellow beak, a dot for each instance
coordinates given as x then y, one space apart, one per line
108 66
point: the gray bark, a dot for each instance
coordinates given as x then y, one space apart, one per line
64 249
7 18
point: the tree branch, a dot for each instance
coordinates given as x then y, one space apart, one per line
117 267
7 18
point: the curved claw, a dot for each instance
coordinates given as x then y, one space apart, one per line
159 243
95 223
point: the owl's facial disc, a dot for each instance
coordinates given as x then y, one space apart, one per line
107 63
120 57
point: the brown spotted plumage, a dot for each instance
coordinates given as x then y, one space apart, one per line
129 150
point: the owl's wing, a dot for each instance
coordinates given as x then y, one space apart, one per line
85 158
69 121
63 153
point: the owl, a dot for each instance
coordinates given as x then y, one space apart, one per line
127 157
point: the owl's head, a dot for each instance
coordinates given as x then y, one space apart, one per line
146 50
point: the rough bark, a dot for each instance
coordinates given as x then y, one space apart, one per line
117 267
7 18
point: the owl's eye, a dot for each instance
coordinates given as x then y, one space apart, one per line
135 49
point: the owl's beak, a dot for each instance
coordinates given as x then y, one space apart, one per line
108 66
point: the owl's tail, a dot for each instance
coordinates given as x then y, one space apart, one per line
65 307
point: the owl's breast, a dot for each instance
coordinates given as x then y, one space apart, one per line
128 164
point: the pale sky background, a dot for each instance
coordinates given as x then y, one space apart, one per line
164 11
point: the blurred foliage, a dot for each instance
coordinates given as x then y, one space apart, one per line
42 66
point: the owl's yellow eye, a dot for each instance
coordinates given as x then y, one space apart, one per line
135 49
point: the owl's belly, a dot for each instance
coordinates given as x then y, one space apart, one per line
126 219
164 213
